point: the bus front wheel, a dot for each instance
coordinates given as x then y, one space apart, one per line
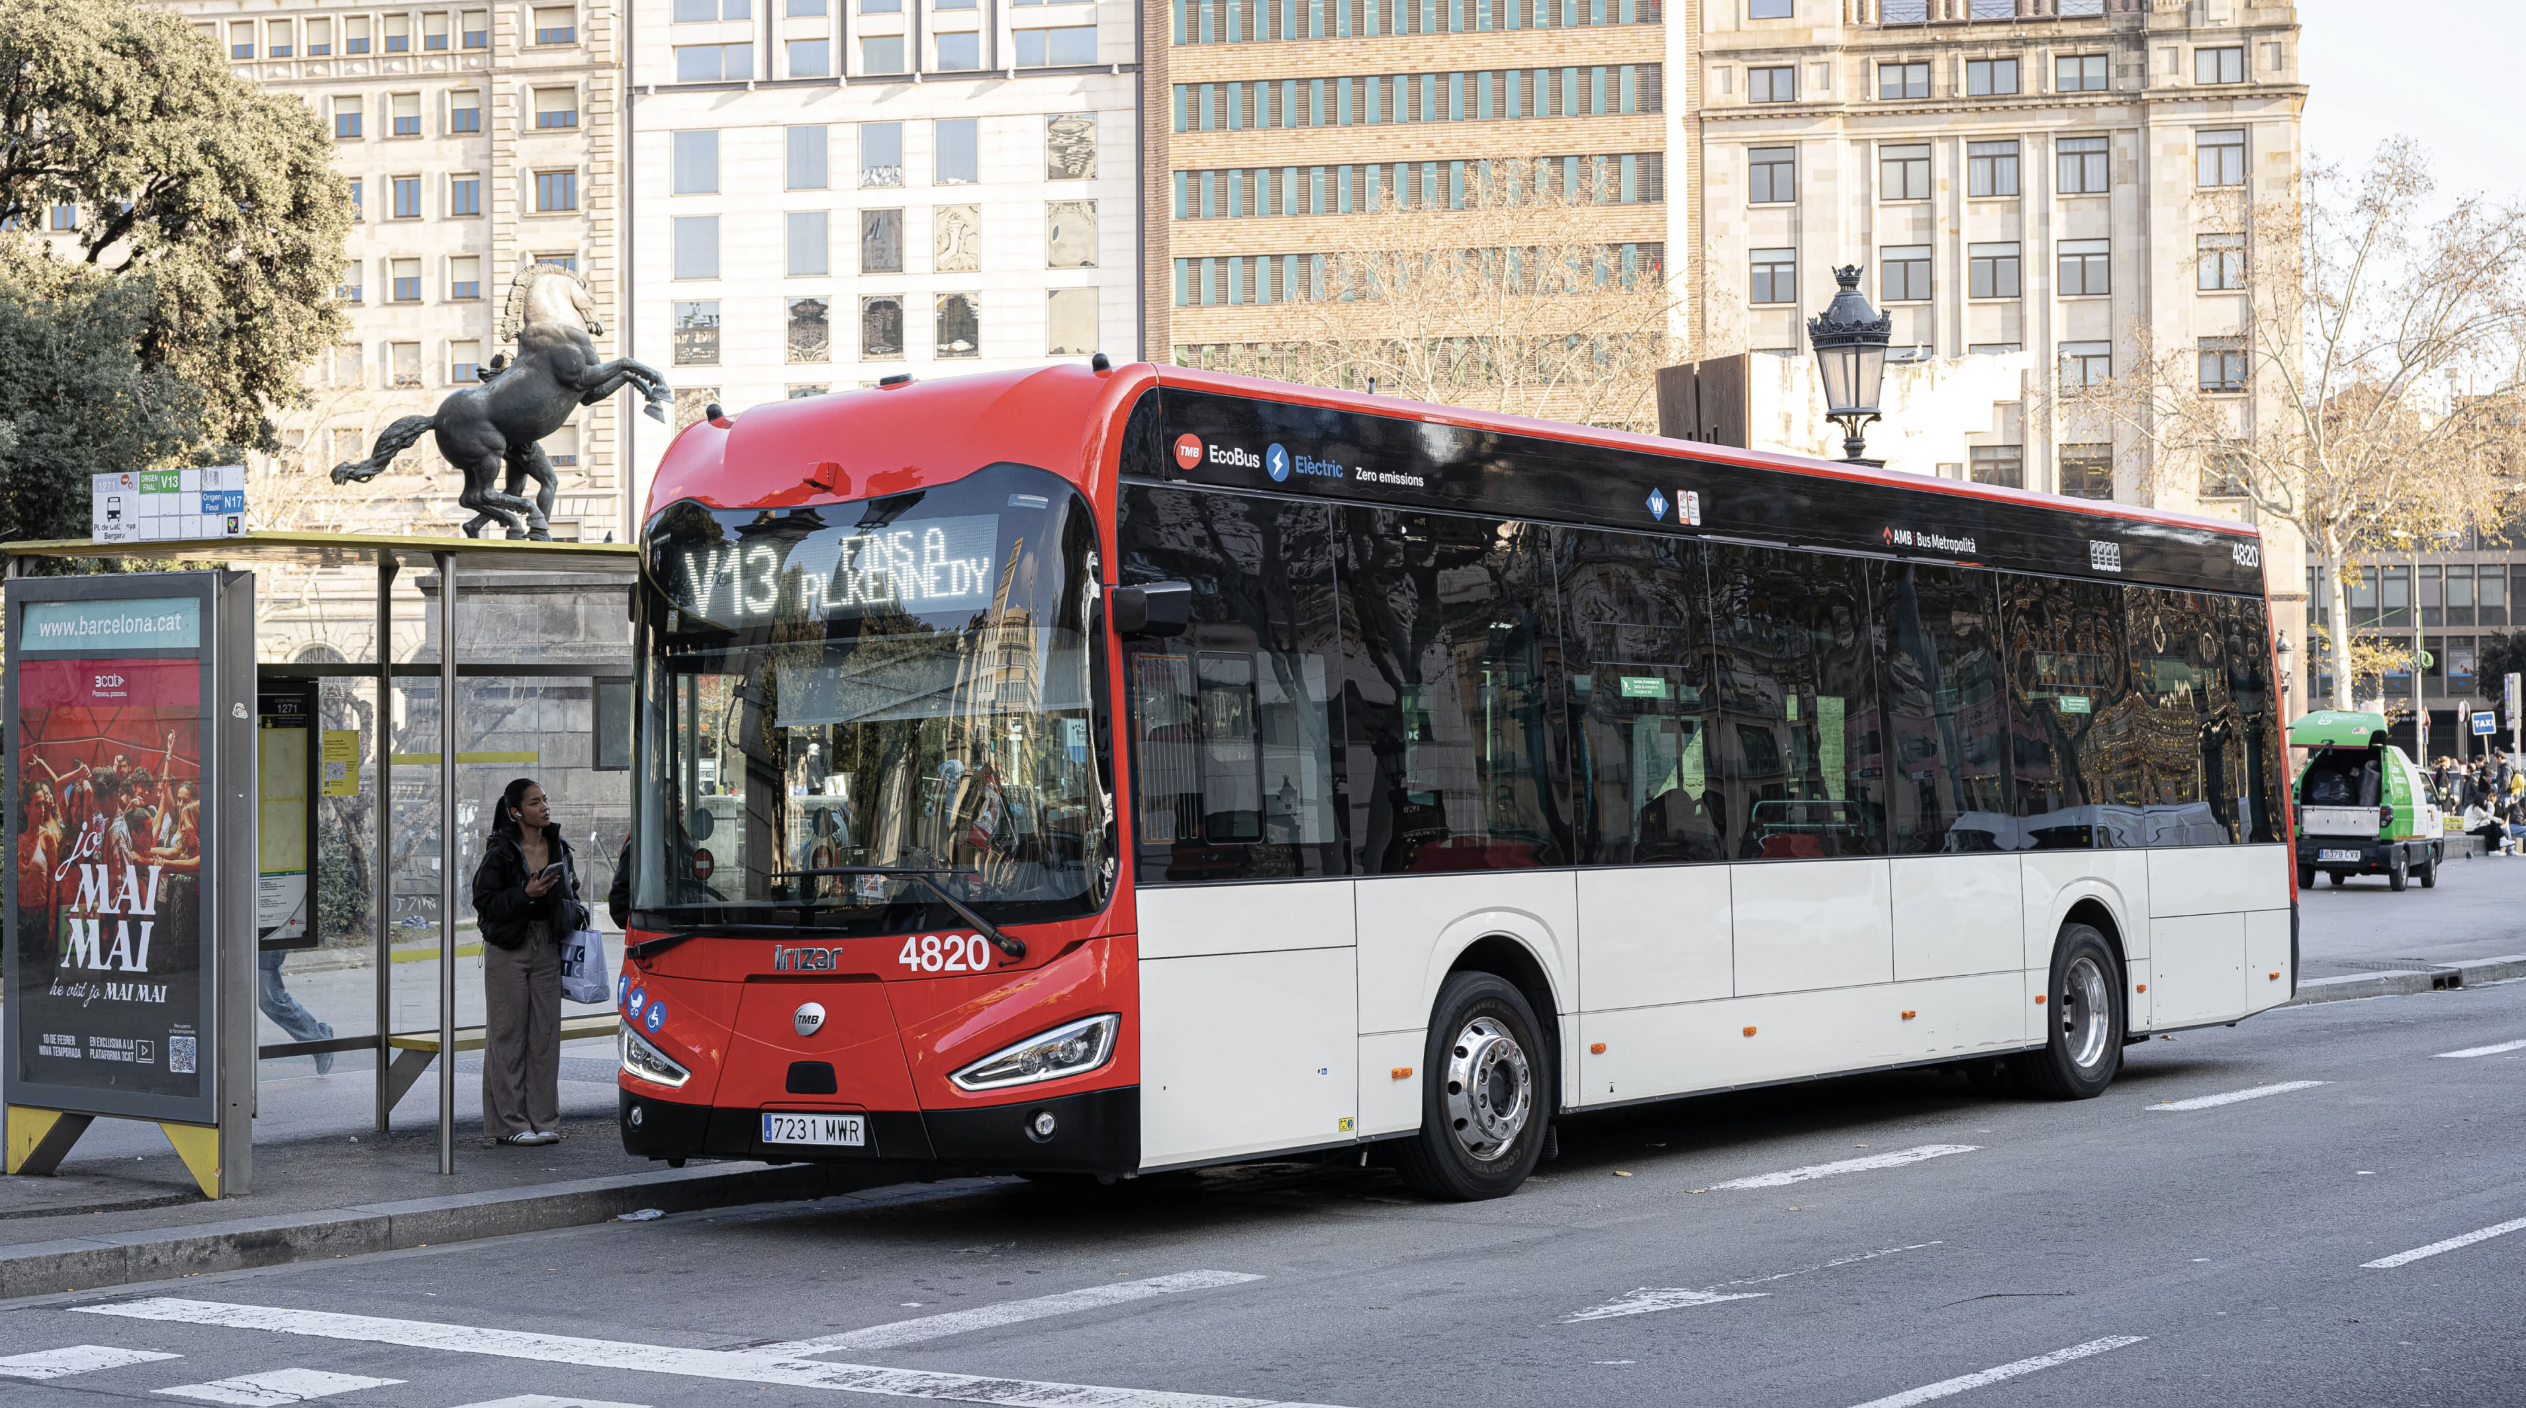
1486 1093
2083 1043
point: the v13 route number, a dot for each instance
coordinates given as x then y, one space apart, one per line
946 953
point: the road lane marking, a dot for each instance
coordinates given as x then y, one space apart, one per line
1800 1175
2204 1102
2505 1046
1962 1382
75 1359
2388 1263
664 1359
546 1400
1649 1299
957 1322
276 1387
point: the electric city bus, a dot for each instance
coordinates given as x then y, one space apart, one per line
1093 771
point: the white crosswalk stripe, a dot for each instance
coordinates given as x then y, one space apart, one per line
75 1359
957 1322
276 1387
546 1400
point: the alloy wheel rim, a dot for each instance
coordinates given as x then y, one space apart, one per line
2087 1012
1490 1089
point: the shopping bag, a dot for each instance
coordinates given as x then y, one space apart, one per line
583 974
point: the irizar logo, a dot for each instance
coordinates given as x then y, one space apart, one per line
2104 556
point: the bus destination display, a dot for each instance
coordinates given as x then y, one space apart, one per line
926 565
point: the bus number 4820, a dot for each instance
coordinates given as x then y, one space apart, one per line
946 953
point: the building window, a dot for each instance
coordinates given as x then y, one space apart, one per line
696 245
881 241
1991 270
1993 349
403 363
464 276
2219 65
464 195
2219 157
279 47
319 38
1070 240
697 334
1903 273
464 361
346 118
881 154
2082 165
714 63
476 27
2079 73
809 337
1056 48
1990 77
2222 262
567 261
399 34
881 7
802 390
955 238
881 326
556 191
809 243
1775 174
2223 364
958 143
2224 475
1070 322
355 35
556 24
1903 173
1767 9
561 451
805 158
65 217
1896 81
1777 84
404 114
2085 268
1991 168
1070 147
703 11
882 54
694 162
404 194
464 112
434 32
1775 276
241 40
359 201
798 9
960 325
810 58
960 51
556 108
349 290
2086 364
2087 471
2002 465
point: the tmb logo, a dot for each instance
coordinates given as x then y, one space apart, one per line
1188 452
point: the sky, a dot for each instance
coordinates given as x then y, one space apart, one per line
2441 72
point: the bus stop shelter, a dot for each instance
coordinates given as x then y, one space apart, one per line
481 568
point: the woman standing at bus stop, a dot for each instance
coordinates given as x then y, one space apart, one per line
526 895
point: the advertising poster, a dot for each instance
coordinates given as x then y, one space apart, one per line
283 766
109 927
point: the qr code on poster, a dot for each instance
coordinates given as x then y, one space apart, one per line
180 1054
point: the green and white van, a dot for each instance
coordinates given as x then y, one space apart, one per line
2362 806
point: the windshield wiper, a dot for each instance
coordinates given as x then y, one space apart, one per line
640 951
1012 946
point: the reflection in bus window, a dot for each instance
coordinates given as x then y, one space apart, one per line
1445 628
1637 658
1943 707
1800 763
2075 716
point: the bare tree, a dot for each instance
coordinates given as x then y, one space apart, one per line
1521 298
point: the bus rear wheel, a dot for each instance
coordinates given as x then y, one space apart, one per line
1486 1093
2083 1042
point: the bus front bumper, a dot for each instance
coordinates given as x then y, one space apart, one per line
1096 1131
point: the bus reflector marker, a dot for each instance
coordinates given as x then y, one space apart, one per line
1596 1048
1749 1031
1402 1073
2144 987
1909 1014
2039 999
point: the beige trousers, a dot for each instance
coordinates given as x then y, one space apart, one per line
521 1051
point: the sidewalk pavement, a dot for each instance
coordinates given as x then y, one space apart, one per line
2364 940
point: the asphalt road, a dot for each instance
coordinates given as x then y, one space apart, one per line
2002 1251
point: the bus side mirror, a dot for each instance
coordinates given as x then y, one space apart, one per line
1147 613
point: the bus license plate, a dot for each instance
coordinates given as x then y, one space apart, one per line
816 1129
2351 856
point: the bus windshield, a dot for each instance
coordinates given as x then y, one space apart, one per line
849 706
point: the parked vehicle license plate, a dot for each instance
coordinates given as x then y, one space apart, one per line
815 1129
2351 856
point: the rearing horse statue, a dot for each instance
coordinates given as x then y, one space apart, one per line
489 431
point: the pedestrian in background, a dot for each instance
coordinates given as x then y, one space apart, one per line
526 895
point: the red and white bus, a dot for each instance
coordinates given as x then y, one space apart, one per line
1102 770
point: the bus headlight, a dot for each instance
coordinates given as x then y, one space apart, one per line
645 1062
1068 1050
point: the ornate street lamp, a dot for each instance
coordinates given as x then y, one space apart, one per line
1850 340
2288 655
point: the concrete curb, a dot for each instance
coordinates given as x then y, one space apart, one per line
85 1263
2395 982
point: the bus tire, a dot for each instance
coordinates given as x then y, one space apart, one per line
1486 1093
2399 878
2083 1023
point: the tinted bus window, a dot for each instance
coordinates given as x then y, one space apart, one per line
1450 751
1232 723
1945 710
1636 659
2262 768
2206 679
2074 715
1800 770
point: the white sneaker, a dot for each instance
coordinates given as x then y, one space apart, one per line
541 1136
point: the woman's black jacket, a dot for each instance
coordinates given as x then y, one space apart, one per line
500 899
